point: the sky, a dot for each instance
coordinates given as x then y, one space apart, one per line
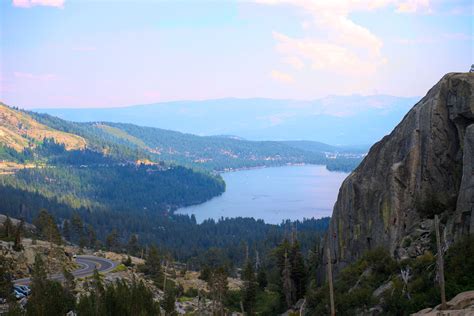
66 53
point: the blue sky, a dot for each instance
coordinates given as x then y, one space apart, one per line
63 53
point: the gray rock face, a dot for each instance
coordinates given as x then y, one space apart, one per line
424 166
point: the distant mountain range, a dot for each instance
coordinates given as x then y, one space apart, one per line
337 120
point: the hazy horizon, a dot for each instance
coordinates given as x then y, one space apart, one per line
63 53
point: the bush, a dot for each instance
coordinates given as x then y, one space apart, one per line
459 263
191 292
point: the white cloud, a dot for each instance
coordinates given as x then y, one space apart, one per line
322 55
295 62
32 3
281 76
338 44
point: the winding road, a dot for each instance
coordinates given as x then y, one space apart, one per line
87 263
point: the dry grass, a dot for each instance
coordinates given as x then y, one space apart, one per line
19 130
12 167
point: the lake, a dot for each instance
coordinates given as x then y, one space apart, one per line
273 194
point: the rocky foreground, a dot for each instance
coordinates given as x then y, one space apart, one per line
461 305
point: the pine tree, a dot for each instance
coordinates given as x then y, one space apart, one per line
111 242
132 245
298 270
262 278
152 266
92 237
249 291
69 282
66 230
169 300
8 228
6 284
46 224
288 286
205 274
17 246
77 227
314 260
47 297
218 286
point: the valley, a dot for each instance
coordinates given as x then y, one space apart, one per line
236 158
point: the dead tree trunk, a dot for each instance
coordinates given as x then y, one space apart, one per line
440 264
331 288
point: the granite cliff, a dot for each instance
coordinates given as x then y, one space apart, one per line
424 167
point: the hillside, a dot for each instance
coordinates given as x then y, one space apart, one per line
212 153
62 162
207 152
18 130
337 120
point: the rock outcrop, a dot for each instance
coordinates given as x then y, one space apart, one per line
424 167
461 305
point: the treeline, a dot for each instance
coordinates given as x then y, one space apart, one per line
343 164
221 241
275 263
272 282
212 152
125 187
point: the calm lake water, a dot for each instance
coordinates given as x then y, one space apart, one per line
274 194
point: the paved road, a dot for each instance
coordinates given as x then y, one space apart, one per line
87 263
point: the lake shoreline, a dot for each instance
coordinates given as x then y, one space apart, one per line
275 166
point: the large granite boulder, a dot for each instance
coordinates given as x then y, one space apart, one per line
424 167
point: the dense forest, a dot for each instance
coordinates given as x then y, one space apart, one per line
283 274
179 235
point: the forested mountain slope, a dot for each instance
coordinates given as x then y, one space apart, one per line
204 152
81 167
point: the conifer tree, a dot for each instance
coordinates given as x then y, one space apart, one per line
111 241
47 297
91 237
69 282
218 286
288 286
132 245
66 230
6 284
8 228
47 227
169 300
262 278
152 266
249 291
77 227
298 270
17 246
